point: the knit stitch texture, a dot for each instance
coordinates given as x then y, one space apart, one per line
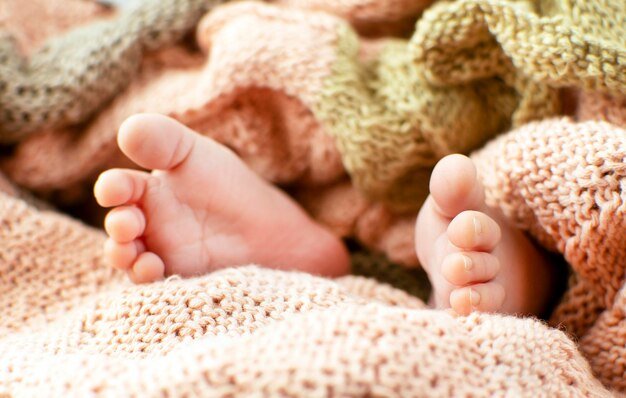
71 326
471 70
353 124
66 80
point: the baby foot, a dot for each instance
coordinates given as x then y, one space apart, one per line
202 209
474 259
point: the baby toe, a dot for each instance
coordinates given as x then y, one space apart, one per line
474 230
155 141
125 223
122 255
118 187
464 268
455 187
147 268
484 297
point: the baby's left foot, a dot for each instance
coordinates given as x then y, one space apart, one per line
474 259
202 209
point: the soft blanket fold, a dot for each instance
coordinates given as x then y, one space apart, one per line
313 105
63 306
68 79
489 64
72 327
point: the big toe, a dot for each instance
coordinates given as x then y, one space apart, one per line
454 186
155 141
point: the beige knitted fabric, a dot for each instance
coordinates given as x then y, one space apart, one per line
563 182
578 207
71 324
70 77
470 70
257 97
443 91
371 18
73 327
30 24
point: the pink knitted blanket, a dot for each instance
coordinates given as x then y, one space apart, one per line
71 326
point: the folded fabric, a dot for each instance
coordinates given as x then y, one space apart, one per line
64 306
471 70
371 18
71 76
73 326
303 102
65 82
259 98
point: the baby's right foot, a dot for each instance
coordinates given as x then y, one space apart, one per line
474 259
202 209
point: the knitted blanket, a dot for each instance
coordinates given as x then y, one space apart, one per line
325 102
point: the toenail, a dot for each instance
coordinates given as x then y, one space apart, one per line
474 297
467 263
478 228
